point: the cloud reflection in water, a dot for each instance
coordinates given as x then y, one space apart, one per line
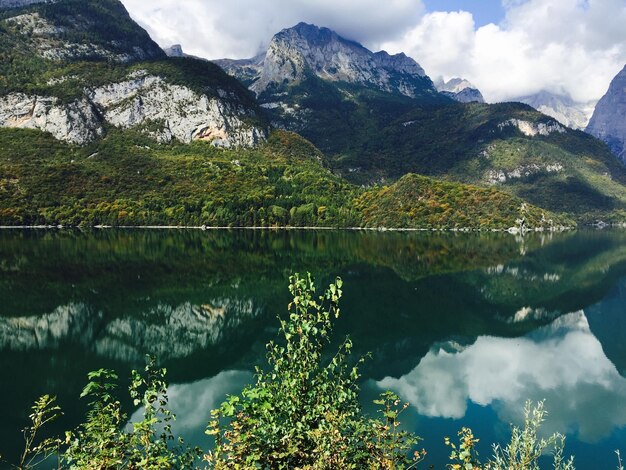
563 363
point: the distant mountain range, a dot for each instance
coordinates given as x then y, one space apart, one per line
561 107
377 120
86 73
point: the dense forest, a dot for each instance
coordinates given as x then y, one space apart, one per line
128 179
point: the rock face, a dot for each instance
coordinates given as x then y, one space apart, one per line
167 111
102 31
305 49
562 108
181 112
532 129
76 122
246 70
460 90
609 118
174 51
181 98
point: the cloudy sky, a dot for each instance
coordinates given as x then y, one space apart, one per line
508 48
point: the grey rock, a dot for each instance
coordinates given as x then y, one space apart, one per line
563 108
460 90
76 122
174 51
50 38
182 113
532 129
246 70
307 49
139 102
609 118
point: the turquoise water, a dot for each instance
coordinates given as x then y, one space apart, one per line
464 327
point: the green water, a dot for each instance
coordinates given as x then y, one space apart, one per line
465 327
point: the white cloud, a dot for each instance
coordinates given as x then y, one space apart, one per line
565 46
562 363
238 28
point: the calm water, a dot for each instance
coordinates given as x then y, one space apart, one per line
465 327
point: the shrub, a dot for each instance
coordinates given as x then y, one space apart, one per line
522 452
304 412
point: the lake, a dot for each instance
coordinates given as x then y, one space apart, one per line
466 327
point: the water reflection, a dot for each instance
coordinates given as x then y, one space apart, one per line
193 402
563 363
452 320
163 331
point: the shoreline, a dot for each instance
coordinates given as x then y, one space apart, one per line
511 230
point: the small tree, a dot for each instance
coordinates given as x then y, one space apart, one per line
521 453
304 412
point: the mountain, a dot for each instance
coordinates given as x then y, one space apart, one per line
130 180
561 107
609 118
460 90
306 50
331 90
509 146
377 120
175 50
76 68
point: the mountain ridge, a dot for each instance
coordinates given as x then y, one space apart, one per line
306 48
74 68
608 122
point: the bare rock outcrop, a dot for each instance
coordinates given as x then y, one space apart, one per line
608 122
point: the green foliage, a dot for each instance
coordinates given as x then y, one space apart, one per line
464 453
44 411
102 442
127 179
342 115
420 202
523 452
526 448
370 136
303 411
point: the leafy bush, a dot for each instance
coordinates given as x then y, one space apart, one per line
103 441
303 411
523 452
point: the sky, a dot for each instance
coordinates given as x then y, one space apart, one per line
507 48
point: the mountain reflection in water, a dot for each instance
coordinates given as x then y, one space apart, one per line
462 326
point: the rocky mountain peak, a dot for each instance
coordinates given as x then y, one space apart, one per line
306 49
175 50
183 98
561 107
72 30
608 122
460 90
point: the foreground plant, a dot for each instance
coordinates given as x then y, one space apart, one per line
304 412
521 453
104 442
44 411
